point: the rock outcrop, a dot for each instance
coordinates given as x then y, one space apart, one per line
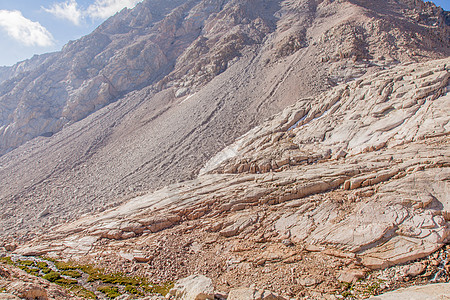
373 207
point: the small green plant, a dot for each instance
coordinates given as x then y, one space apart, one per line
46 270
110 291
71 273
52 276
346 294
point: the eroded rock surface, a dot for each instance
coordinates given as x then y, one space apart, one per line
309 223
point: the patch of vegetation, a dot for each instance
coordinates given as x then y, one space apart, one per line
82 292
110 291
64 266
46 270
133 290
373 288
116 278
41 265
7 260
162 289
29 270
90 270
52 276
71 273
28 263
66 281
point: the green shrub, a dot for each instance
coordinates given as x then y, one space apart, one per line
71 273
28 263
82 292
41 264
133 290
110 291
7 260
52 276
66 281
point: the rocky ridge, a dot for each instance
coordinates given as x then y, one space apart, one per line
355 179
201 73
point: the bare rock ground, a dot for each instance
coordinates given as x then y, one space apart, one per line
324 192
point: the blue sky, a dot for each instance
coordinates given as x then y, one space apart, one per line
29 27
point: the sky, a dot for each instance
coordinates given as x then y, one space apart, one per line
29 27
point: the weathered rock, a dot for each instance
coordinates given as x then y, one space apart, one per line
194 287
351 275
414 269
29 291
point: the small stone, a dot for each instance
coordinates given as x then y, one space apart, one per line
434 262
10 247
351 275
287 242
414 269
309 281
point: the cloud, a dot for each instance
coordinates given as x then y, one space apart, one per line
24 30
66 10
103 9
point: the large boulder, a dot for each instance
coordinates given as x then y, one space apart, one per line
194 287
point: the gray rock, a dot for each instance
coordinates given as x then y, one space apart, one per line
194 287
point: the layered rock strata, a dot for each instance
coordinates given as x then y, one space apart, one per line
357 177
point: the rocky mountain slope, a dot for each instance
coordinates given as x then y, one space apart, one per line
352 180
302 142
201 73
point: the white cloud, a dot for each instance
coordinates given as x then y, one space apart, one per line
24 30
66 10
103 9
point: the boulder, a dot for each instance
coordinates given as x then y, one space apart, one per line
194 287
28 290
351 275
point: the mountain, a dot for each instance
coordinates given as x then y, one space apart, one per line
155 92
352 182
303 142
